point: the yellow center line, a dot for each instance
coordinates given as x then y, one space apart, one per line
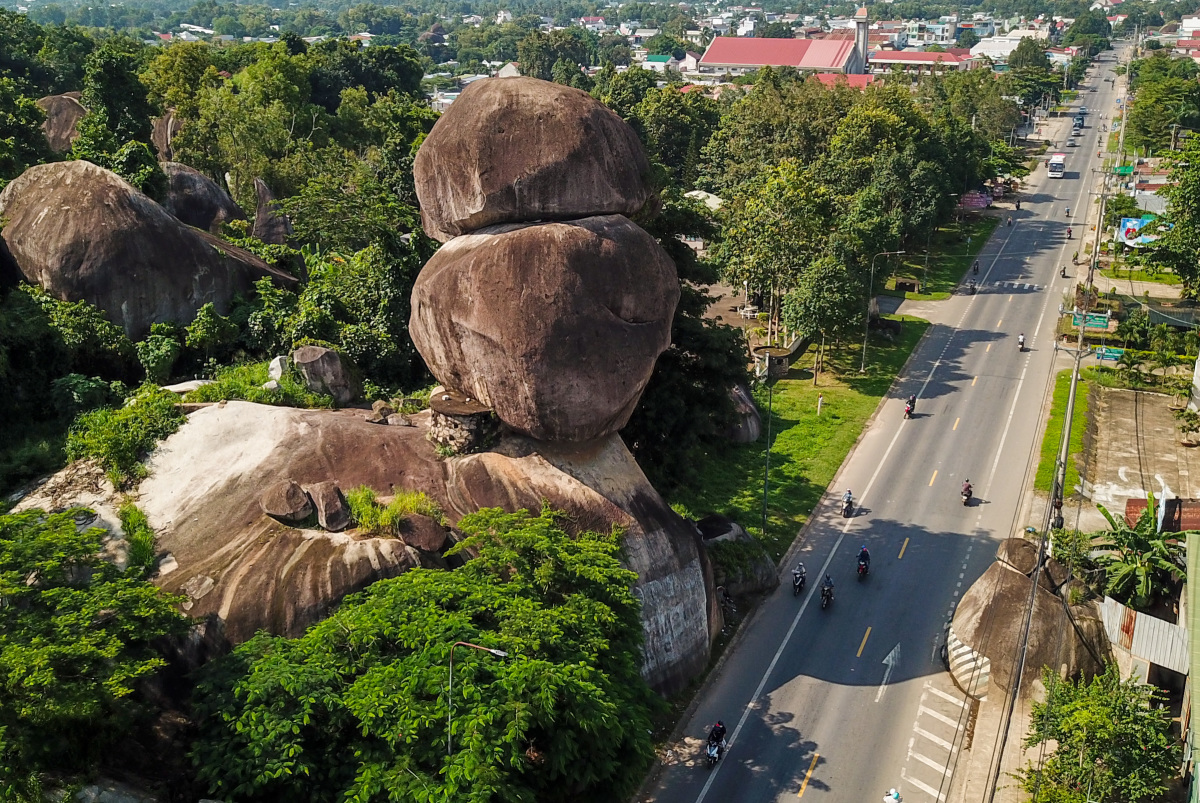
808 775
989 348
904 547
934 477
955 424
976 379
999 322
864 643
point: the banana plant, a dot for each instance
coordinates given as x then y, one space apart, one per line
1140 562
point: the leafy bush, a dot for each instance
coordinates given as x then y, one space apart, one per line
356 708
370 516
211 334
75 393
75 638
138 534
246 382
157 354
95 345
118 438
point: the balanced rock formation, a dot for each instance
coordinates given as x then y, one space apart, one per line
81 232
513 150
195 199
555 326
986 632
63 113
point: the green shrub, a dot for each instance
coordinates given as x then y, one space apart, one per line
370 516
95 345
246 382
157 354
138 534
211 334
118 438
75 393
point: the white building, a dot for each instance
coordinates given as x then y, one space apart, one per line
999 48
503 16
1188 28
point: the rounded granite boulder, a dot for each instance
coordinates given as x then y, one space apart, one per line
555 326
519 150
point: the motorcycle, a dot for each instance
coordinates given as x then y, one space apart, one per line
1068 232
713 751
863 568
798 580
971 287
966 497
847 508
908 409
1021 345
826 596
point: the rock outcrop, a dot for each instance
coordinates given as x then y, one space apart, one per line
326 371
271 225
333 514
61 126
515 150
163 132
195 199
285 500
81 232
986 632
560 352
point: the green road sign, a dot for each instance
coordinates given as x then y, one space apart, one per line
1106 353
1094 320
1124 170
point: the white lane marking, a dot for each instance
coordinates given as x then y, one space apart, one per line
950 698
939 741
929 762
929 790
795 621
890 662
938 716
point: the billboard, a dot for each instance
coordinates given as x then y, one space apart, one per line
1130 231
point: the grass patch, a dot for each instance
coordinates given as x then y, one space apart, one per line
806 449
31 450
245 382
1164 277
370 516
138 534
119 437
1052 440
950 256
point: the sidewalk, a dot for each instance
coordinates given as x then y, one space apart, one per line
1137 289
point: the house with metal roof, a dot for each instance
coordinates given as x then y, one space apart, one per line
919 62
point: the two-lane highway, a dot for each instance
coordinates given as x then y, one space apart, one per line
843 703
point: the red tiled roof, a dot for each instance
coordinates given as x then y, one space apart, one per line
805 54
916 57
961 52
1188 44
835 78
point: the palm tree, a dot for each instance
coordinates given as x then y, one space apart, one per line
1141 563
1165 360
1128 366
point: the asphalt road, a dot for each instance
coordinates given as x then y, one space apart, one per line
843 703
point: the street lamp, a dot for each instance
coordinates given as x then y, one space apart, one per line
870 294
450 690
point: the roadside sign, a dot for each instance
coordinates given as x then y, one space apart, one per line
1094 320
1107 353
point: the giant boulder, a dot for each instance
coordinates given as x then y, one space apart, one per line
162 134
554 326
515 150
61 126
195 199
271 224
251 572
82 233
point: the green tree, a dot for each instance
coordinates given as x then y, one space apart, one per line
75 638
1112 741
775 30
1120 206
1178 249
826 302
176 76
113 91
1142 563
358 705
1157 111
968 38
666 45
23 144
1030 52
675 126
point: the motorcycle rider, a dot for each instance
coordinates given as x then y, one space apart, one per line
1068 232
1021 341
847 501
892 796
966 489
716 735
798 574
975 268
827 587
912 402
864 556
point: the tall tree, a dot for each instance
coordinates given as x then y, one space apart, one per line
1030 52
113 91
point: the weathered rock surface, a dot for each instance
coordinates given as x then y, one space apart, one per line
279 366
286 500
753 572
516 150
61 126
423 533
254 573
325 371
747 424
163 132
989 621
271 225
333 514
555 326
195 199
81 232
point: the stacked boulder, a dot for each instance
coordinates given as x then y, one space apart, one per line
546 303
